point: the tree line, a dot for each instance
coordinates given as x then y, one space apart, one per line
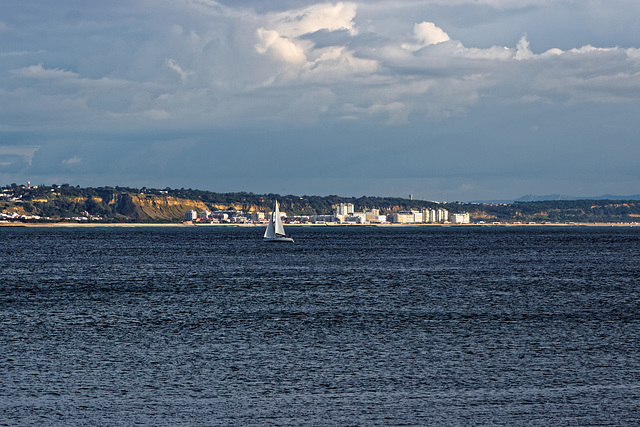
117 203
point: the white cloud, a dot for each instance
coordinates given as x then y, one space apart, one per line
426 33
283 48
337 62
281 38
229 59
552 52
173 65
494 53
323 16
522 49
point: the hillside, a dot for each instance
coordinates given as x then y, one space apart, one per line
124 204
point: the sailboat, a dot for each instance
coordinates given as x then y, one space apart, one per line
275 229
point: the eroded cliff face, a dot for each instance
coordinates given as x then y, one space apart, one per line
155 207
164 207
235 207
166 201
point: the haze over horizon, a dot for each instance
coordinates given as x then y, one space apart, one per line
446 100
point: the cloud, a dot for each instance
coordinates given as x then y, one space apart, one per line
173 65
231 60
39 72
319 17
72 160
430 93
522 50
426 33
17 154
282 48
281 38
201 64
21 53
139 115
395 111
337 62
227 58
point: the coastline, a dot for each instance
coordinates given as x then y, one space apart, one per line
137 224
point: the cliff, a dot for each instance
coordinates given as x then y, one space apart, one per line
164 207
168 205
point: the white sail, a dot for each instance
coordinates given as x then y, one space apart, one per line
275 229
270 232
279 228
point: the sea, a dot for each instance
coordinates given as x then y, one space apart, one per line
348 326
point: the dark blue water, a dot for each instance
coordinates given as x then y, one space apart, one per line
348 326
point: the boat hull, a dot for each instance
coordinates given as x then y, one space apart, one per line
279 239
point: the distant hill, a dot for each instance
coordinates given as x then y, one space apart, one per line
555 197
60 202
124 204
540 198
610 197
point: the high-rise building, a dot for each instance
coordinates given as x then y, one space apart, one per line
344 209
443 215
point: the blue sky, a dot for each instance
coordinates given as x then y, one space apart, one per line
443 99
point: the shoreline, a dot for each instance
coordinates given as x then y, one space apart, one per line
137 224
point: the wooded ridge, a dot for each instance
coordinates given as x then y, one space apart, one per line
125 204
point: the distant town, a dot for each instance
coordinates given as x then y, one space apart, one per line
344 214
74 204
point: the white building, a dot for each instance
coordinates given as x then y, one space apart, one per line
357 217
429 215
460 218
344 209
435 215
402 217
443 215
204 214
190 215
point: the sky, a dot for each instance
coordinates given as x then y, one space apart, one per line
450 100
